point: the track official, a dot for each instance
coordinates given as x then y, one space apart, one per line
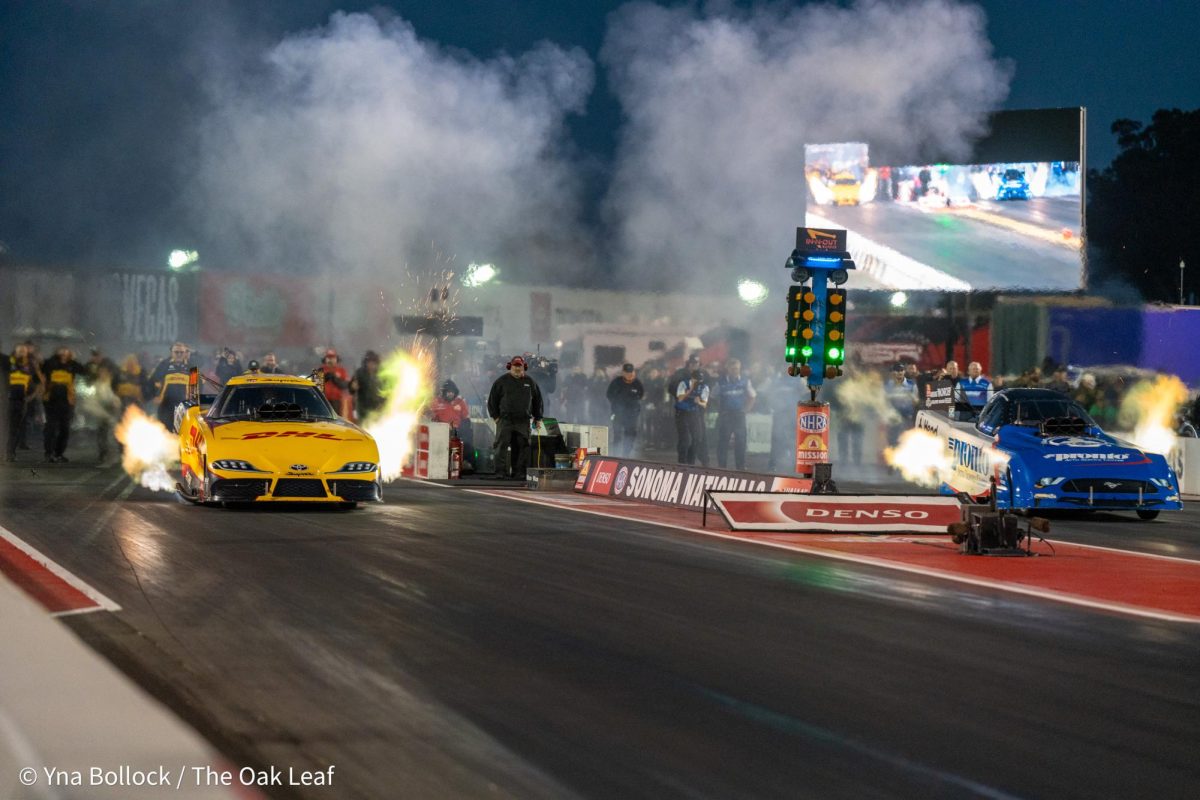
625 394
513 403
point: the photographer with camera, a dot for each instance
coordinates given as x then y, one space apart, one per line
544 372
337 384
228 365
691 400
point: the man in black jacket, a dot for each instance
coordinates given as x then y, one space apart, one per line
513 403
59 372
625 395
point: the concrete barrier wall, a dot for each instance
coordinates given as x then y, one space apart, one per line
1185 460
63 707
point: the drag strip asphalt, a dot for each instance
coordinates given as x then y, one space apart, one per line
452 644
1123 581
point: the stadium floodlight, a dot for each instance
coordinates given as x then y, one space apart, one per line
181 258
479 274
752 292
899 299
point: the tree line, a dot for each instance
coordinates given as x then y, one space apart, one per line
1144 208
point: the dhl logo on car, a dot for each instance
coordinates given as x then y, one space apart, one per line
297 434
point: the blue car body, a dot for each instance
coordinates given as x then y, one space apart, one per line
1013 186
1038 449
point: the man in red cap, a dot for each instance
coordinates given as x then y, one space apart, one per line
514 402
337 383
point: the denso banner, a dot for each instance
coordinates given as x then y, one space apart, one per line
672 484
845 513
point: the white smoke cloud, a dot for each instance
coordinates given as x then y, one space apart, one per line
719 105
360 147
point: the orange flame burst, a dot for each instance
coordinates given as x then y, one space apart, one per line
406 379
1153 405
150 450
921 458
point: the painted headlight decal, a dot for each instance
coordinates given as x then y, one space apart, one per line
235 465
358 466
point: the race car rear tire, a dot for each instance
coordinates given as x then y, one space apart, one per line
347 506
1147 514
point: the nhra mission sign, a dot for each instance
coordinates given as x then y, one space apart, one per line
672 484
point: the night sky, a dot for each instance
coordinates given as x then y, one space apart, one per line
100 98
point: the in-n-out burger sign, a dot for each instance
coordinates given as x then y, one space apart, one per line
783 513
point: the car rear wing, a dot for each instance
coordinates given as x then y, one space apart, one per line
195 395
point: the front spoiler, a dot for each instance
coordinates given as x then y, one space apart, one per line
261 490
1108 503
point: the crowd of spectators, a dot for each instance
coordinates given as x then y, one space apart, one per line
688 410
44 392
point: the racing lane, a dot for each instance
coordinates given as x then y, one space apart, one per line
975 251
1175 534
452 644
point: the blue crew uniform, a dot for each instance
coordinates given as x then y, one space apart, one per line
977 391
734 396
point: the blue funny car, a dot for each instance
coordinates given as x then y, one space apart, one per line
1013 186
1038 449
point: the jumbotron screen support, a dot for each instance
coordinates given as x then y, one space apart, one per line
816 317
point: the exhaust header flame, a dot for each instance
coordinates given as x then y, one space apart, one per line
921 458
150 450
406 380
1151 407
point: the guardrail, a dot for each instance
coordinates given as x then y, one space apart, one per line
1184 458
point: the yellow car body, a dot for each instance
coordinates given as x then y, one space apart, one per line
273 438
846 189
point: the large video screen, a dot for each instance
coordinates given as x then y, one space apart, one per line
1008 225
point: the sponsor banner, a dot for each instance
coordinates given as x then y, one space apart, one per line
263 308
601 478
121 311
581 479
887 353
784 513
673 484
153 308
821 240
939 396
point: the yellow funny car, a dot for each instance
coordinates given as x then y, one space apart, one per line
272 438
846 189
